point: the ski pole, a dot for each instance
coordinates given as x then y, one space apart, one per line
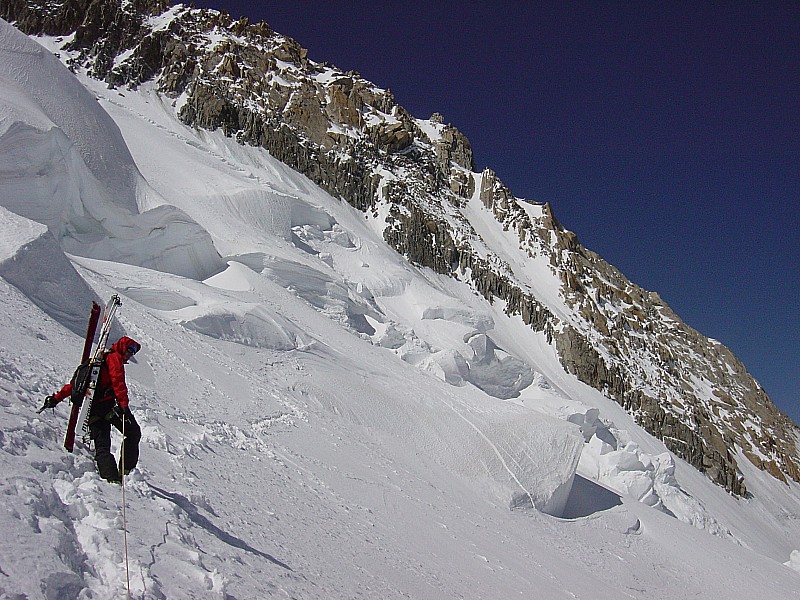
124 520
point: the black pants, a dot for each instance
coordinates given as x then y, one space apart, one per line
100 430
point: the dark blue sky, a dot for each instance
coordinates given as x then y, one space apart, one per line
666 135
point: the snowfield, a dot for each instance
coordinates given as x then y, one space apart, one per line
320 418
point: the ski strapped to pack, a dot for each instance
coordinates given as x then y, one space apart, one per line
91 329
84 404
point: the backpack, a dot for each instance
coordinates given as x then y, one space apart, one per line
80 381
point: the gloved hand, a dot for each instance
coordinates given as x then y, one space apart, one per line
49 402
116 412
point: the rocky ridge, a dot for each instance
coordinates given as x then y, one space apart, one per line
356 142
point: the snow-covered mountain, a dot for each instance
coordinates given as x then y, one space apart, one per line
415 182
368 371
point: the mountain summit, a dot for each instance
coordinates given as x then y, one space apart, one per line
300 245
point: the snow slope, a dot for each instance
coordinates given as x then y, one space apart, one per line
320 419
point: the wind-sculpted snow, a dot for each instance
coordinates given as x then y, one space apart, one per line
67 166
17 233
519 458
248 324
499 376
275 213
228 306
325 290
45 180
46 95
31 260
619 464
163 238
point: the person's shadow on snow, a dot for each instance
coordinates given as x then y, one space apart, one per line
194 515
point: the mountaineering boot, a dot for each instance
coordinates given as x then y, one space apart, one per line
107 467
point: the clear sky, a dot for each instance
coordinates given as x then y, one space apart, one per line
666 135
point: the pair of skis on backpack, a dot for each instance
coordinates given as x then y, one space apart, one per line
84 381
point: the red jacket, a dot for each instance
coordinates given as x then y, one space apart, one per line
111 382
